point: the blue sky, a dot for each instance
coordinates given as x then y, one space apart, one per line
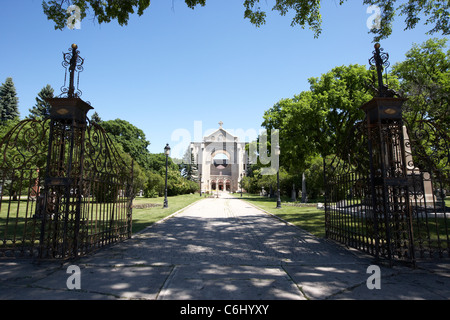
176 70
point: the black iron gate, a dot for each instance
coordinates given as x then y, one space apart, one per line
386 189
80 200
64 188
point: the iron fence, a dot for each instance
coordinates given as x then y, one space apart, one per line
64 190
387 191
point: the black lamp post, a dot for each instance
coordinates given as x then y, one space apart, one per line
166 152
277 152
241 185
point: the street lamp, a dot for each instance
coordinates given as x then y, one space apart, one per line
241 185
277 153
166 152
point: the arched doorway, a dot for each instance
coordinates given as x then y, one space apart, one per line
228 185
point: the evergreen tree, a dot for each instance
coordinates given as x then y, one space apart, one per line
41 109
9 102
193 172
95 118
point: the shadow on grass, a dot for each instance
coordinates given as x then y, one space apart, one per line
306 217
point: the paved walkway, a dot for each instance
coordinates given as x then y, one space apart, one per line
223 249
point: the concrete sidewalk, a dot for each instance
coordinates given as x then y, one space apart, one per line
222 249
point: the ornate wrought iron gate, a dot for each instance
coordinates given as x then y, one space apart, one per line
64 189
385 191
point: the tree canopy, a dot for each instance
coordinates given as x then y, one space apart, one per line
425 80
41 109
306 13
131 138
317 121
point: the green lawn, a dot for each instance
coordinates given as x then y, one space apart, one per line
143 218
307 217
15 223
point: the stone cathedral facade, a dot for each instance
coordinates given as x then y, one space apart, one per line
222 161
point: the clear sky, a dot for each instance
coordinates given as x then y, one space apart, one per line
176 72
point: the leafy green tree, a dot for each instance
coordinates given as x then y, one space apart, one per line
158 163
319 121
314 178
9 102
305 13
41 109
131 138
425 80
155 185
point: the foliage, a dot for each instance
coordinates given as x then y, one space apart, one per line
155 185
318 121
306 13
96 118
104 11
131 138
425 79
314 178
9 102
188 167
41 109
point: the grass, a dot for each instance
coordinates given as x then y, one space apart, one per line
307 217
311 219
15 222
143 218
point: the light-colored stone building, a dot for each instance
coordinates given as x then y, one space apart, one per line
222 161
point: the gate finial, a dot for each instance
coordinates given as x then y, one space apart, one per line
380 61
74 63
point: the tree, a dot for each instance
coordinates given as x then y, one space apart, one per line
131 138
306 13
425 80
155 185
188 167
41 109
9 109
96 118
158 163
319 121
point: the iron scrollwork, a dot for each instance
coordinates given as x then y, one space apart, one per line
74 63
